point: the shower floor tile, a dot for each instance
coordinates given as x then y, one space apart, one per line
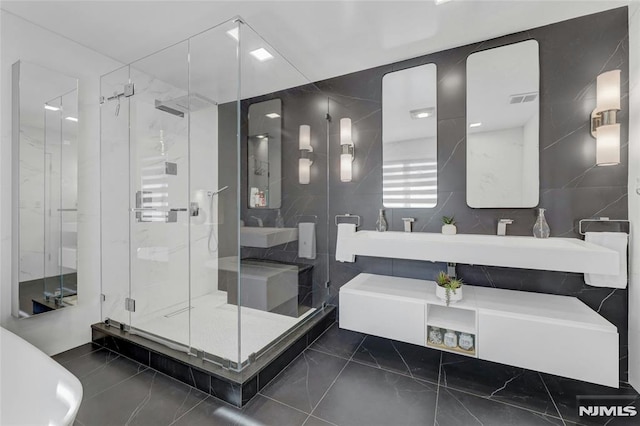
214 326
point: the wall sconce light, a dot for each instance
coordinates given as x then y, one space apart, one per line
305 161
347 150
603 119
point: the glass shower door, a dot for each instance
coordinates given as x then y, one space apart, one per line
159 196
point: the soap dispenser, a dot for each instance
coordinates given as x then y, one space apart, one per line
381 224
279 220
541 227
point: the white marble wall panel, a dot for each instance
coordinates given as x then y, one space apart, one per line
21 40
494 167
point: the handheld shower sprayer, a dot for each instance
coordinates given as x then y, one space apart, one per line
217 191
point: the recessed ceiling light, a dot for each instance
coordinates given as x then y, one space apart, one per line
51 107
261 54
441 1
75 120
272 115
422 113
234 33
475 124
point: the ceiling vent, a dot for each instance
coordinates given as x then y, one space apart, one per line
522 98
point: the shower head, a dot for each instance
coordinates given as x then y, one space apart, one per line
162 107
216 192
184 104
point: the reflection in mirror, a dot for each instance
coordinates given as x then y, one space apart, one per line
409 140
503 127
265 154
45 121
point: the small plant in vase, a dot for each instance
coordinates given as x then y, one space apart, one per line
449 225
449 289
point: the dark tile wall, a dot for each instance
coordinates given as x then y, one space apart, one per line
572 54
300 105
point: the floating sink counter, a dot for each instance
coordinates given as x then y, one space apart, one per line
551 254
266 237
544 332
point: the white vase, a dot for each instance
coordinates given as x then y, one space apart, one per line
441 293
449 229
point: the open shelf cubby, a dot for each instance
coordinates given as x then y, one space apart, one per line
450 317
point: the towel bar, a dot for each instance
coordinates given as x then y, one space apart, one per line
349 216
599 219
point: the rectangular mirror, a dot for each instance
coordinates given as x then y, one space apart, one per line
409 138
45 146
503 127
265 155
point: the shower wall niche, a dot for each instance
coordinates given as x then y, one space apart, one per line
173 139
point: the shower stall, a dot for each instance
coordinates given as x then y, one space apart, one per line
174 166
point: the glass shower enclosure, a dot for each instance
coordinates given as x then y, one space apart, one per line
173 166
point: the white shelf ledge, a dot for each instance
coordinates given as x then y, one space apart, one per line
266 237
552 254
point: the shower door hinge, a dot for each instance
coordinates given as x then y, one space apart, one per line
102 297
327 284
130 304
328 117
128 91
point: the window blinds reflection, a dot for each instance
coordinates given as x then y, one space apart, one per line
409 183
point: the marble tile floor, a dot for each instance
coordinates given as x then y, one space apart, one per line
343 378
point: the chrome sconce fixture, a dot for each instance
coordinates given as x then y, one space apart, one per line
347 150
603 119
306 150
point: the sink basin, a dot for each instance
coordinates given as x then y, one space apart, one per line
266 237
552 254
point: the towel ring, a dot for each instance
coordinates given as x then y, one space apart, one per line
599 219
349 216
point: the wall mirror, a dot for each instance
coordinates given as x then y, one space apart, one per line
265 155
409 139
503 127
45 147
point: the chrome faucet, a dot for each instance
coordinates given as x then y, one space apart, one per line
407 223
260 223
502 226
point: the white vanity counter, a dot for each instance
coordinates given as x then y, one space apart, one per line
551 254
543 332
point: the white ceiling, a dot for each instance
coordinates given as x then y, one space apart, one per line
493 76
321 38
